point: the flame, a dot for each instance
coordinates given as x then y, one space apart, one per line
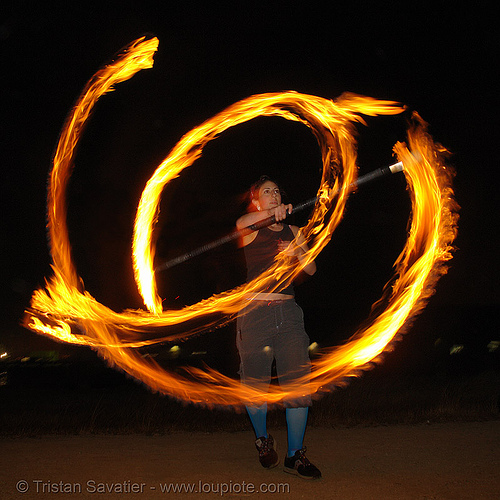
66 312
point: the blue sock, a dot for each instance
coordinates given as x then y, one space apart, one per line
258 417
296 420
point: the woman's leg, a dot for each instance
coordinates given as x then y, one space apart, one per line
296 421
254 340
258 417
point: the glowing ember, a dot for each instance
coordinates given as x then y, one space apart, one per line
65 312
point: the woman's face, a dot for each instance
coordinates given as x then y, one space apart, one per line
269 196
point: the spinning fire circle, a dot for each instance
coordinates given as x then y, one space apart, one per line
66 312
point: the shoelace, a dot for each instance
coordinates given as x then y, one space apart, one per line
266 446
302 457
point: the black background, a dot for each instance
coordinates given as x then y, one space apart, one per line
438 61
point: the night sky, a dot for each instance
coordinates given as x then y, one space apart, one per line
438 62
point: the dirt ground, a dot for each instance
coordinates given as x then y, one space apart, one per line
435 461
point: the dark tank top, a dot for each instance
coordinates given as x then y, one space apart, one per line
260 254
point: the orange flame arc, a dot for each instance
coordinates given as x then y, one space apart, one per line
66 312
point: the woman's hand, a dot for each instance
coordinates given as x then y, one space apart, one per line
280 212
291 250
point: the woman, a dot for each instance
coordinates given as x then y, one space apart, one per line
272 327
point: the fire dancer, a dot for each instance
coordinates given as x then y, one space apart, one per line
271 328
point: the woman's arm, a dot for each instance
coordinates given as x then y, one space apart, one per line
280 213
300 249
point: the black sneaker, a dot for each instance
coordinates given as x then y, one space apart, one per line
267 453
300 466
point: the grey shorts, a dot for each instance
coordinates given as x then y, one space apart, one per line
274 331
